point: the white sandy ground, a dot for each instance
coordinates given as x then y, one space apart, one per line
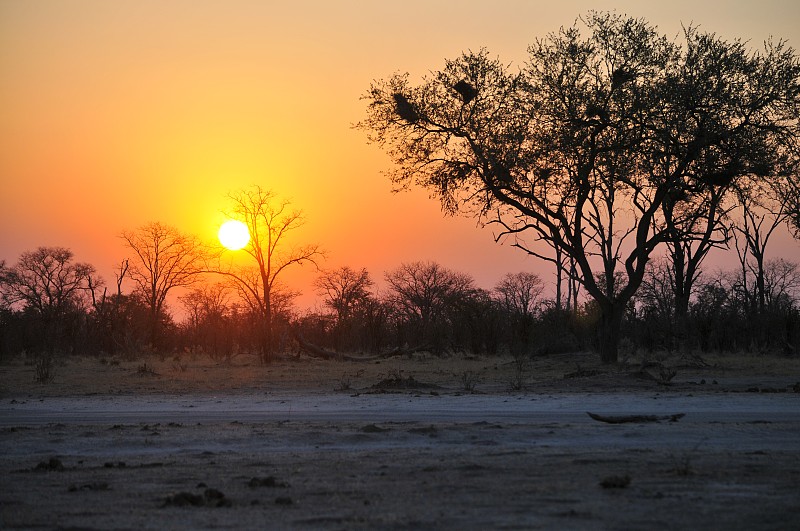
403 461
526 410
416 459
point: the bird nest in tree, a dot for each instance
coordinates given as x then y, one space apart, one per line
405 109
466 91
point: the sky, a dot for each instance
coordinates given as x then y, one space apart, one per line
114 114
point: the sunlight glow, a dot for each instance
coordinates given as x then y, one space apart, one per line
233 235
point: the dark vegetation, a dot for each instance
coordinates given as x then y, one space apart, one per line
618 156
425 307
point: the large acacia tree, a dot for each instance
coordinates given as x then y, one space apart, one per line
583 147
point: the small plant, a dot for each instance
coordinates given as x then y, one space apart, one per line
665 375
682 464
520 374
469 379
144 370
346 382
45 370
395 374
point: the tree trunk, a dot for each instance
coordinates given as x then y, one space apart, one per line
267 348
153 327
681 306
609 332
559 279
761 287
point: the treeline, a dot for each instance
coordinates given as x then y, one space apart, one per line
55 306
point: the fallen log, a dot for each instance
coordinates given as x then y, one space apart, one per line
319 352
622 419
314 350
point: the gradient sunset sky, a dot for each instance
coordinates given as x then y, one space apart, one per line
114 114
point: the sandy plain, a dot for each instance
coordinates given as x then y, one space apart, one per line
410 442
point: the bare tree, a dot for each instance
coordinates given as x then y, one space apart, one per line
50 284
203 301
520 293
761 214
164 259
269 221
698 225
4 278
425 294
343 289
582 147
782 283
207 307
657 293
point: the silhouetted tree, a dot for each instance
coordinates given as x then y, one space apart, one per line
582 147
346 292
48 281
520 293
424 293
478 322
715 313
163 259
207 308
343 289
698 225
761 214
48 284
107 317
269 221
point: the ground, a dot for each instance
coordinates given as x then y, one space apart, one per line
410 442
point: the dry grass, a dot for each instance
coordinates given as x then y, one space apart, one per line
456 373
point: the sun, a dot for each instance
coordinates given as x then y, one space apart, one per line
233 235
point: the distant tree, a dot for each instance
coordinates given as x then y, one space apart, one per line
782 284
269 221
657 295
48 283
698 225
713 313
207 308
163 259
109 324
761 213
4 278
346 292
424 295
480 323
582 148
128 325
520 293
343 289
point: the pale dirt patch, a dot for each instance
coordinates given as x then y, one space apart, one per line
371 467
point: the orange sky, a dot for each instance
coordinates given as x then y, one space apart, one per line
117 113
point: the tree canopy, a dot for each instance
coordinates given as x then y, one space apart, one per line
607 126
